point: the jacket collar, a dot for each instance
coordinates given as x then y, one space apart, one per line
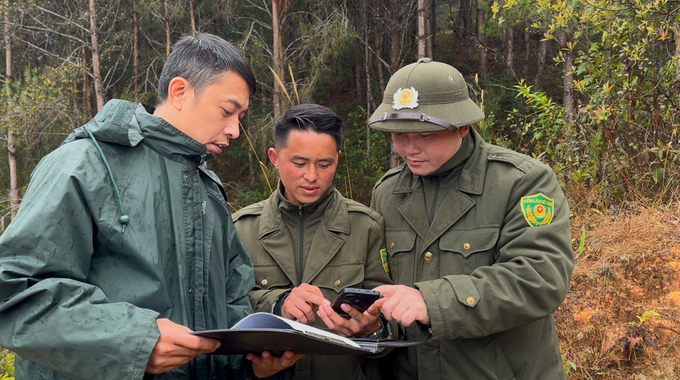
471 178
336 215
168 140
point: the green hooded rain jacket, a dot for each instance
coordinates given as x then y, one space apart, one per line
80 290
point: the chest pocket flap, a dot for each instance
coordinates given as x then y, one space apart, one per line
467 242
270 277
340 276
399 240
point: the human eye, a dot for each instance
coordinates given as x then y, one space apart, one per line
226 113
298 164
426 135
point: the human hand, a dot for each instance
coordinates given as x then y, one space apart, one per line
176 347
267 365
359 325
403 304
301 301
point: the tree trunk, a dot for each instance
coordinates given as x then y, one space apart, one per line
511 48
421 28
527 45
481 39
11 145
277 58
357 69
428 29
378 64
96 68
465 18
192 17
369 96
568 97
542 51
676 36
433 28
135 49
166 17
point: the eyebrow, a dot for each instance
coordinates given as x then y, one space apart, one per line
296 157
234 102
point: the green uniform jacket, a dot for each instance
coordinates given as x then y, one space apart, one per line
490 281
344 252
80 292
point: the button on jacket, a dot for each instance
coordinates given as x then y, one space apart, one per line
489 279
332 243
80 290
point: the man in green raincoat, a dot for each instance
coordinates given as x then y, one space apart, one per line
477 237
308 242
124 242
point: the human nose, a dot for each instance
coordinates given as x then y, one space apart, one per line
410 144
310 174
232 130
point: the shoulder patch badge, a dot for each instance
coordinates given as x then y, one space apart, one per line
538 209
385 261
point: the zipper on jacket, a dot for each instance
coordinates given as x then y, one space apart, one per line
302 244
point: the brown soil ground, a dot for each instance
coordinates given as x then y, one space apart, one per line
621 317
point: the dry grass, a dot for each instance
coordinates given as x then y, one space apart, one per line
627 273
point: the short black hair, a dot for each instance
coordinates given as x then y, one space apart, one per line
200 59
309 117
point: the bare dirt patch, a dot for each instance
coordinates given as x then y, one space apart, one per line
620 318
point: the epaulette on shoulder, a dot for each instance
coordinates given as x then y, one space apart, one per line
390 173
354 206
252 210
520 161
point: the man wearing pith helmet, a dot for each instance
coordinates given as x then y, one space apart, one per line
478 240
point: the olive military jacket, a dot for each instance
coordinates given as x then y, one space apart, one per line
343 251
80 291
492 266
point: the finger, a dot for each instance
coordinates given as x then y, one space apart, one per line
408 318
400 310
387 290
315 299
379 302
301 311
195 343
353 313
373 310
342 325
289 358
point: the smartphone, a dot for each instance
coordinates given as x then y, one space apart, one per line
360 299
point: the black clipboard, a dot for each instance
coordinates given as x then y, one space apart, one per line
268 332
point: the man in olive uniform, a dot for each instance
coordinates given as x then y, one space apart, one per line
477 237
307 242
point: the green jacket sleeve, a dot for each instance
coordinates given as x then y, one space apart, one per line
529 280
49 314
374 272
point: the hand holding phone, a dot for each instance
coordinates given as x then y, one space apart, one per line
360 299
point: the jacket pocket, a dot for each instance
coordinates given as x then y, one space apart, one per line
497 361
400 245
270 277
463 251
340 276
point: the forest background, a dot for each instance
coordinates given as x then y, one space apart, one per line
590 87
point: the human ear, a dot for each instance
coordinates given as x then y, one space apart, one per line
464 131
273 157
178 92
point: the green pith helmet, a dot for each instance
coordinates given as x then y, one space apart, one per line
425 96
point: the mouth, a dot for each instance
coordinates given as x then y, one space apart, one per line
414 161
309 190
216 148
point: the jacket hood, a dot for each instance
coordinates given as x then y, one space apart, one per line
126 123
